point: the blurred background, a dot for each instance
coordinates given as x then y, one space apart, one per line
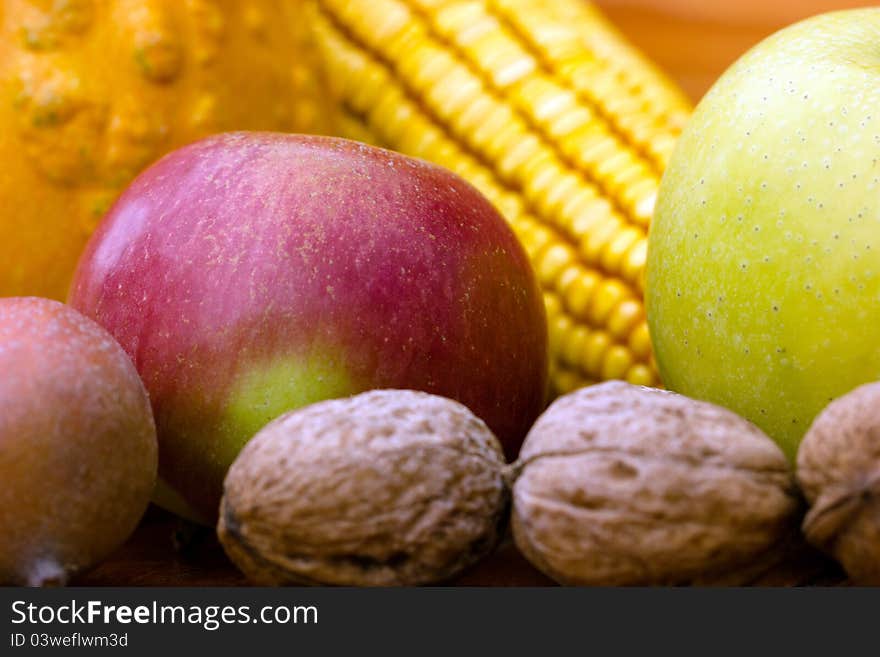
694 41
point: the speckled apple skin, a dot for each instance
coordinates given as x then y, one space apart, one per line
78 449
763 272
251 273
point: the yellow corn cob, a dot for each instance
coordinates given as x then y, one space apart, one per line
544 108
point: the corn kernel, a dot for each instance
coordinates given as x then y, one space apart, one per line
616 363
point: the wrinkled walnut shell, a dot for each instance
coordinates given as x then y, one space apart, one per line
838 468
623 485
389 487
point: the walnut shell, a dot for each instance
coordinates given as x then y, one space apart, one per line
838 469
619 484
389 487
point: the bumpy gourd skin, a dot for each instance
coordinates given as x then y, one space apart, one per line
92 91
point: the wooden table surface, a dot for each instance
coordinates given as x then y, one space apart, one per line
166 551
694 42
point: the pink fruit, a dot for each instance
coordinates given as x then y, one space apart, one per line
252 273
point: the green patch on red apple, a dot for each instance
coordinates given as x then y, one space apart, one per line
268 389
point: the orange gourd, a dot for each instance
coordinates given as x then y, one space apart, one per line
92 91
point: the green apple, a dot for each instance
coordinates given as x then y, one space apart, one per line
763 273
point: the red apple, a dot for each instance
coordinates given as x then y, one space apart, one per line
252 273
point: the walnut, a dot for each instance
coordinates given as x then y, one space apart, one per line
390 487
619 484
838 468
